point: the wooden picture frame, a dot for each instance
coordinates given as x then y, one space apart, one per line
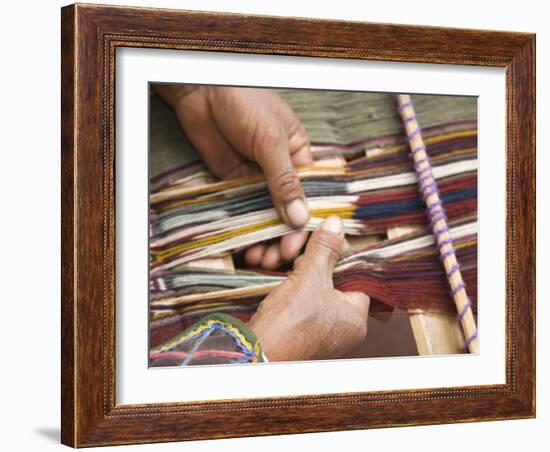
90 37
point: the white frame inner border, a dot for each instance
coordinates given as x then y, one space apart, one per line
136 383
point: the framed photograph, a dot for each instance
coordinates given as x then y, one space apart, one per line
283 225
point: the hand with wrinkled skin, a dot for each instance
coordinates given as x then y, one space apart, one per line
305 317
241 131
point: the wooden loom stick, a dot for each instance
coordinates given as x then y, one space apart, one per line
428 187
434 333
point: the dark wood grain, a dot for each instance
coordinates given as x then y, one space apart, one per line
67 226
90 36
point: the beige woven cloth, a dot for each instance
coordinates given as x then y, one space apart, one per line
336 117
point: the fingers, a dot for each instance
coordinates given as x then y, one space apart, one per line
260 126
292 244
211 144
324 247
245 168
279 147
255 254
173 94
272 257
194 116
298 143
266 256
271 151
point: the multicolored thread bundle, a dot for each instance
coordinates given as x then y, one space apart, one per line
370 194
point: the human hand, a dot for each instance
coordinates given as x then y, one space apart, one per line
305 317
239 131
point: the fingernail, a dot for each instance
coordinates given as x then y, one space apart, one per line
333 224
297 212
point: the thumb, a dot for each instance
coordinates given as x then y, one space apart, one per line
324 247
273 155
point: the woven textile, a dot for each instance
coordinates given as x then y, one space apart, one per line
374 191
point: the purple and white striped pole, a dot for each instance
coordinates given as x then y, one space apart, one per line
438 221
